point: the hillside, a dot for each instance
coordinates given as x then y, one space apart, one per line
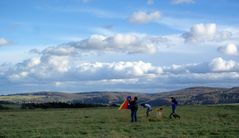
86 97
193 95
199 95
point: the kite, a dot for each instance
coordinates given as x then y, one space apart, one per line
125 104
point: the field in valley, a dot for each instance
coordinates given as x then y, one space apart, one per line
196 121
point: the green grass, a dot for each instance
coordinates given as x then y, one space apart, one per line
196 121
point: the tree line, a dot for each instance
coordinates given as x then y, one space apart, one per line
58 105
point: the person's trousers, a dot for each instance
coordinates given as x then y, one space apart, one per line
147 112
173 110
133 115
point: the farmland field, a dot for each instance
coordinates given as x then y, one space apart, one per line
196 121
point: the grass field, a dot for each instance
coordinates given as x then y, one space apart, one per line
196 121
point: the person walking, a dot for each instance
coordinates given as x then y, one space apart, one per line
173 104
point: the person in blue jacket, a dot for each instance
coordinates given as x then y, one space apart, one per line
174 104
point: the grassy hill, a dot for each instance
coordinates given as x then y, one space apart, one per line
196 121
193 95
199 95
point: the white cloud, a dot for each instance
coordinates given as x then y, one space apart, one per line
182 1
125 43
205 32
58 84
60 51
221 65
59 70
18 76
3 42
201 32
230 49
129 43
33 62
141 17
214 66
57 63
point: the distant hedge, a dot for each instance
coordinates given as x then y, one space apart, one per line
5 102
58 105
3 107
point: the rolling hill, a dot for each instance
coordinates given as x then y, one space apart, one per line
192 95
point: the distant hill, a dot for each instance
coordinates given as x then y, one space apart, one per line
199 95
193 95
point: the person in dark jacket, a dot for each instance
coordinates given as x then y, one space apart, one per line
174 104
133 107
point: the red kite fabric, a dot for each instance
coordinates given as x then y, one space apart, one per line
124 105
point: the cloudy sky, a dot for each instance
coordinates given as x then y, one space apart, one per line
119 45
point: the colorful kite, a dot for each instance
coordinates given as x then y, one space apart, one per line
125 104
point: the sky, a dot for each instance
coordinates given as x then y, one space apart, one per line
118 45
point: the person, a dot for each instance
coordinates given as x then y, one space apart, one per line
173 104
149 108
133 108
